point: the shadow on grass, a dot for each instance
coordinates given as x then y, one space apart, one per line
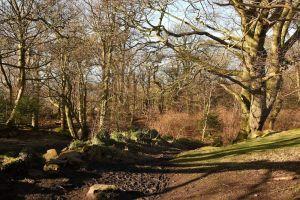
239 150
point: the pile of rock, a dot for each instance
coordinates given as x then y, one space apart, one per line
55 161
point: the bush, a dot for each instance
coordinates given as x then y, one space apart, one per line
231 124
25 109
288 119
177 124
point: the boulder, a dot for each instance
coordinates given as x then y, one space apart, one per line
50 154
104 192
71 157
51 167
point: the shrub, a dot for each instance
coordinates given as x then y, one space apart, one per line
288 119
26 107
177 124
230 120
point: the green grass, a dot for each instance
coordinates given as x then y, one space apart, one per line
240 152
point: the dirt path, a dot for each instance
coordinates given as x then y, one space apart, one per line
253 181
263 168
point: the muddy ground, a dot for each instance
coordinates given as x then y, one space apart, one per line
143 181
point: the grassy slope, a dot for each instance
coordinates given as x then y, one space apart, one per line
279 147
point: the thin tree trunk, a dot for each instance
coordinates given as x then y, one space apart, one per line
83 107
206 114
104 113
36 99
70 121
22 84
298 81
62 116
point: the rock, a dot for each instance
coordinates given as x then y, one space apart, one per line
51 154
285 178
104 192
71 157
27 180
50 167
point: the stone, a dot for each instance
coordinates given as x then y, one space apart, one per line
27 180
71 157
104 192
50 167
51 154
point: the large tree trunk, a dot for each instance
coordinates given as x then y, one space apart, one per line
258 114
104 108
275 112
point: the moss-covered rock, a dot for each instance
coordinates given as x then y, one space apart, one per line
108 154
104 192
78 144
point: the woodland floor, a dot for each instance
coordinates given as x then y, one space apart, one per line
266 168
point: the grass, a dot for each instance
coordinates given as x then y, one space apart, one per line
278 146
